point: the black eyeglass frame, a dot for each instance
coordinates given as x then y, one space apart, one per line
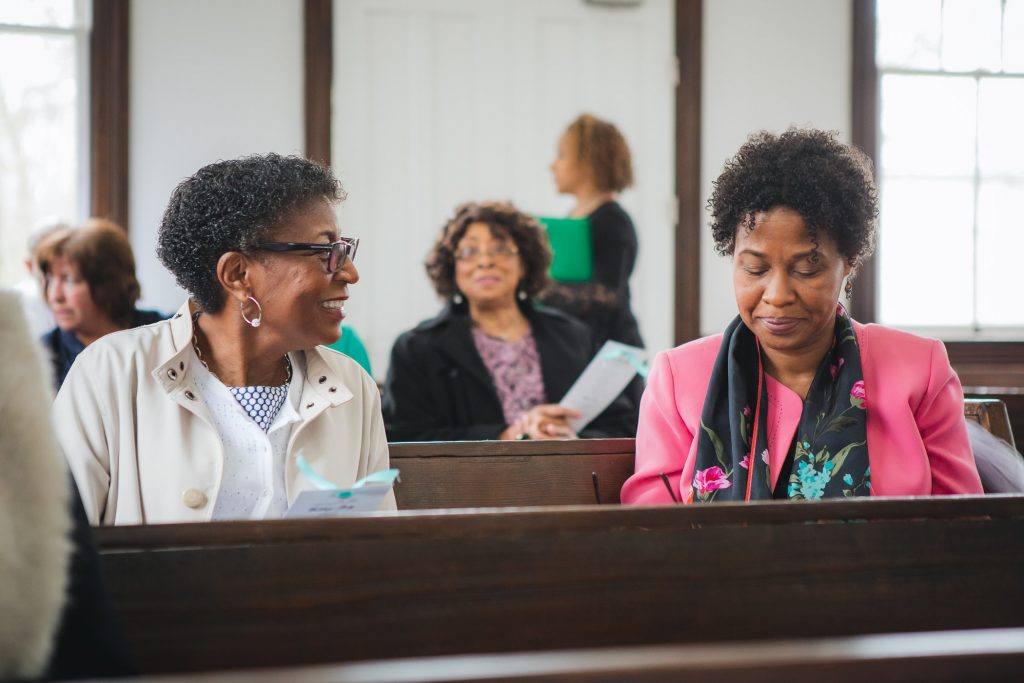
344 248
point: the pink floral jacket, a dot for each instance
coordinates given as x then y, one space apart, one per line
917 439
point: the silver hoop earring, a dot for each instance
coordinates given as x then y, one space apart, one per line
258 320
457 299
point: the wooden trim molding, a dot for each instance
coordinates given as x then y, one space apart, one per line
108 110
865 136
689 40
988 364
319 49
980 353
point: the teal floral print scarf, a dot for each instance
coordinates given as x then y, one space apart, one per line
830 453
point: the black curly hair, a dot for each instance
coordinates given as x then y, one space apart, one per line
506 221
830 184
230 206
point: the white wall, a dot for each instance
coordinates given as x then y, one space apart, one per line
210 79
767 65
214 79
438 102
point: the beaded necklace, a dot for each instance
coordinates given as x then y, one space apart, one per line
261 403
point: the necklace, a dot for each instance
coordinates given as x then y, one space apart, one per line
199 353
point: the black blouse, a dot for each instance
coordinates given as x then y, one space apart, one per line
438 388
603 303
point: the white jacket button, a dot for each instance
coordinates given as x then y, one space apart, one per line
194 498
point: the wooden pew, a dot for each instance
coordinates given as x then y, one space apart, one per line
977 656
284 593
992 415
1012 399
471 474
466 474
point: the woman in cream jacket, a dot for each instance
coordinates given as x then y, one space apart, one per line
205 416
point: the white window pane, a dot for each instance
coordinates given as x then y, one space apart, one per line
928 125
909 33
1000 246
38 139
1013 36
925 253
38 12
971 35
1000 133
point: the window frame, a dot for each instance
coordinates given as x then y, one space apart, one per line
103 29
109 108
979 362
80 31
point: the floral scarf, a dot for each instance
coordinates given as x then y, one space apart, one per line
830 454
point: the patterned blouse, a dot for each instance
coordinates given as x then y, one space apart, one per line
515 369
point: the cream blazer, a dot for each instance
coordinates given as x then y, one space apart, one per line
142 446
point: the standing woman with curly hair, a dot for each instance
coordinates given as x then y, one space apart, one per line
492 364
593 164
796 400
204 416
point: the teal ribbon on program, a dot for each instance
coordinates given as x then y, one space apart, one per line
388 477
314 478
625 354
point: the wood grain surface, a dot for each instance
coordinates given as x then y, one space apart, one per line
280 593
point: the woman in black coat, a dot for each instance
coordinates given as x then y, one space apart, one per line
492 365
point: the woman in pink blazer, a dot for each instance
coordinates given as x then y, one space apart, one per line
795 400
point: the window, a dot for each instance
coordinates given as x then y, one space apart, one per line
951 165
43 120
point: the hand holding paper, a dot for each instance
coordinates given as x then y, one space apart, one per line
548 421
603 379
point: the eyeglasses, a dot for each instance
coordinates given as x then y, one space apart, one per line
498 251
338 252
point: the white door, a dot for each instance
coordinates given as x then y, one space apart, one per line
437 102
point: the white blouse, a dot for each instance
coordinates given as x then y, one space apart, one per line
252 484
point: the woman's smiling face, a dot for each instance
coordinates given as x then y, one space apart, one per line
787 285
303 303
488 268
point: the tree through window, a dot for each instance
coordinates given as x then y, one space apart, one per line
43 126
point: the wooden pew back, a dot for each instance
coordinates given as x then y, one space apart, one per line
468 474
471 474
233 595
977 656
992 411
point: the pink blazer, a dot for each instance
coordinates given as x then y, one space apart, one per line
917 439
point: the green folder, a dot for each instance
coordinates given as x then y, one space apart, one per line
570 242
